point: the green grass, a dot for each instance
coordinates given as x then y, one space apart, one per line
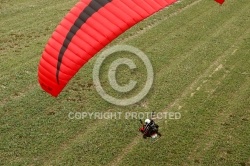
200 56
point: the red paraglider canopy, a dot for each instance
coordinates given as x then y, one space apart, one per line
86 29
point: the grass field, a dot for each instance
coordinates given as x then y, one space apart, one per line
200 52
